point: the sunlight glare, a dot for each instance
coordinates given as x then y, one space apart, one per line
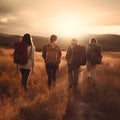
69 26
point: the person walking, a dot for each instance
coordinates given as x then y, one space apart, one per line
94 57
24 57
75 56
52 56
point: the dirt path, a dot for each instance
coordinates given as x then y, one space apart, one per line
88 101
79 110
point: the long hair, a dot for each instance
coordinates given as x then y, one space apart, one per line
93 40
27 39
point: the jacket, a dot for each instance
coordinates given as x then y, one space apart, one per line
93 52
31 54
44 51
88 52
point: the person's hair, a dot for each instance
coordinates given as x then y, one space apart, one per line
74 41
53 38
27 39
93 40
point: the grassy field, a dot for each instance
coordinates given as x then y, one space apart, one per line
39 103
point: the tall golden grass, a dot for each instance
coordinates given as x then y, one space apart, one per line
105 95
39 103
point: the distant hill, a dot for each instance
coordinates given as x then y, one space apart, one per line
8 40
109 42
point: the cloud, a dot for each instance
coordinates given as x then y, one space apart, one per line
36 15
8 7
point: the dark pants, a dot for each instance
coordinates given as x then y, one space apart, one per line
25 73
73 72
51 72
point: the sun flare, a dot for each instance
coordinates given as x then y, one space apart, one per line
69 26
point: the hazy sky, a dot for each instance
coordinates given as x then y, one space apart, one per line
63 17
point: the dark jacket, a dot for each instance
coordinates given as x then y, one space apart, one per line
74 55
93 52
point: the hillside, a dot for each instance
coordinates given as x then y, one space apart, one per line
109 42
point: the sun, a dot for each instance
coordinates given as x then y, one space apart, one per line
69 26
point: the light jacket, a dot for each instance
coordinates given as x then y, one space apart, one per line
31 53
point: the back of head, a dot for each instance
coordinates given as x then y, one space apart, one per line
27 39
53 38
74 42
93 40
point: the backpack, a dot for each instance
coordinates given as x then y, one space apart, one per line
95 56
20 53
52 54
78 56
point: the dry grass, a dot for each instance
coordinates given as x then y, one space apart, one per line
39 103
105 95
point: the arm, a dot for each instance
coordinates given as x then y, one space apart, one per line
44 52
88 51
68 55
33 58
60 53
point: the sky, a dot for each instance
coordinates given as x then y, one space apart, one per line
61 17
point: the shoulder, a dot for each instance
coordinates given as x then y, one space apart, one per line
54 45
92 45
31 48
58 47
45 46
69 50
81 47
99 45
70 47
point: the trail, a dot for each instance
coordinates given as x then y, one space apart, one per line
79 108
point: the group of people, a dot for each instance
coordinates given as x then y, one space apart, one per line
51 54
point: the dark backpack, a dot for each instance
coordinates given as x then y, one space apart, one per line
52 54
78 56
95 56
20 53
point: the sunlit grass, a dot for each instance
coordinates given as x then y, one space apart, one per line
38 102
41 104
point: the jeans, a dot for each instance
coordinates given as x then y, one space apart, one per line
73 72
25 74
91 69
51 72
